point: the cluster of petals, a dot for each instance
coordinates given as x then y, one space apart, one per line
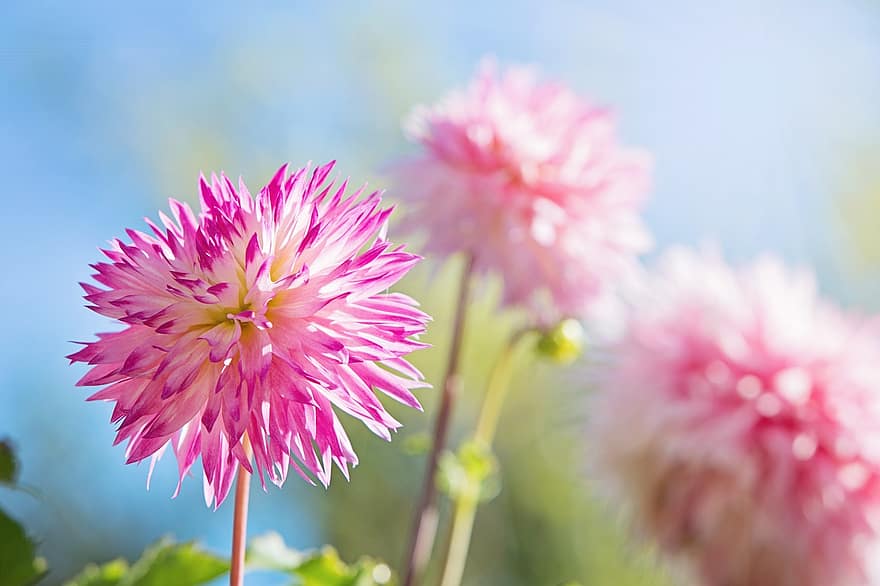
738 423
528 179
247 324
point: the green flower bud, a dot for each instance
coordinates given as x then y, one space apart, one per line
470 473
563 343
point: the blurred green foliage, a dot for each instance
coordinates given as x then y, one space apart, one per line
162 564
109 574
317 568
8 463
19 563
18 558
167 563
469 473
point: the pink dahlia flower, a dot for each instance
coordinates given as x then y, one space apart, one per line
528 179
739 423
249 323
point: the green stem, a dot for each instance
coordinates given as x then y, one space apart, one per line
496 391
459 540
487 424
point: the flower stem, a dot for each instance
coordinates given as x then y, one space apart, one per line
466 503
424 530
239 520
459 540
496 390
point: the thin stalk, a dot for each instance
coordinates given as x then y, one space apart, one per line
496 391
239 520
487 424
424 529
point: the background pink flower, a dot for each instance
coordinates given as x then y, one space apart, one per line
529 179
739 423
255 317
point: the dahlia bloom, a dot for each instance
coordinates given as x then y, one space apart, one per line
248 323
739 425
528 179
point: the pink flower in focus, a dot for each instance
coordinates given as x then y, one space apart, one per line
255 318
739 424
529 179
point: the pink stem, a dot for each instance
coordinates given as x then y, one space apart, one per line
239 522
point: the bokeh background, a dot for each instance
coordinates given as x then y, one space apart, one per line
762 115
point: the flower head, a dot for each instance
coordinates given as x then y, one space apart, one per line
739 423
527 178
248 323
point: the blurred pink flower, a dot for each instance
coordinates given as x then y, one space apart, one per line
738 422
255 317
529 179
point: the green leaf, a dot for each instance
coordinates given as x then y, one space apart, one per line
163 563
166 562
109 574
8 463
19 563
316 568
324 568
18 558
